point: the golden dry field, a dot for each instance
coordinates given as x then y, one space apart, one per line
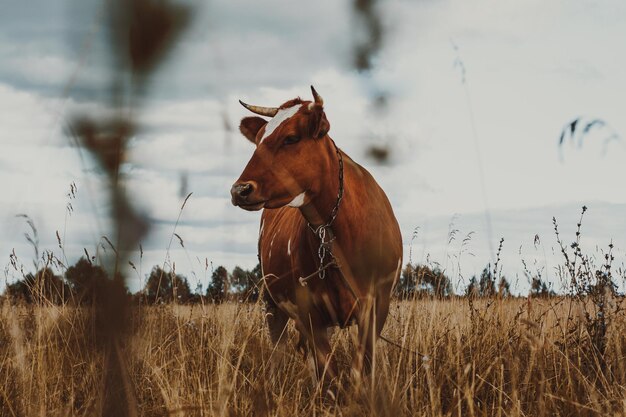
515 357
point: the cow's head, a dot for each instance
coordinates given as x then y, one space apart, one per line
289 157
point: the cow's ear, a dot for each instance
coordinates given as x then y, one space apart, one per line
318 123
250 126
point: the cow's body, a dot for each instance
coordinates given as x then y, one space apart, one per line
367 241
366 246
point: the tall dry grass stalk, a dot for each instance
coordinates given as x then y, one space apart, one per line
515 357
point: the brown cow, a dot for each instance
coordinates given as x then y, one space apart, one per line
329 244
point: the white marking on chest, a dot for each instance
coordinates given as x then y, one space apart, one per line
262 226
289 247
297 201
281 116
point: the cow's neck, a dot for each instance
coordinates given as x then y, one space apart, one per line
318 213
319 210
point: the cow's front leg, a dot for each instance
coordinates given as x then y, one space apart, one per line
325 363
319 354
276 320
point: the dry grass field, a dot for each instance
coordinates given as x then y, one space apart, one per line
516 357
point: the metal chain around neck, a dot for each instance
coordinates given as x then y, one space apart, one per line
324 232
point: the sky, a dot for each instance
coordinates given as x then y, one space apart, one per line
477 94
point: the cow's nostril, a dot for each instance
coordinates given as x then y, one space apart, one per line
246 189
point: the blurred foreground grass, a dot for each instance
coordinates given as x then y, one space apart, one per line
493 357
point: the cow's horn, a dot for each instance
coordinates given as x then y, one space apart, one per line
318 99
263 111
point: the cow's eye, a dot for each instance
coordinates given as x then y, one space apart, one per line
290 140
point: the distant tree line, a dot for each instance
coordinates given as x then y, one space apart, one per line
419 281
84 281
488 285
423 281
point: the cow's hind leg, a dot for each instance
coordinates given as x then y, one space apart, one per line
364 358
370 323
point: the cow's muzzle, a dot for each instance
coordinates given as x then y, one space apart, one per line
243 195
